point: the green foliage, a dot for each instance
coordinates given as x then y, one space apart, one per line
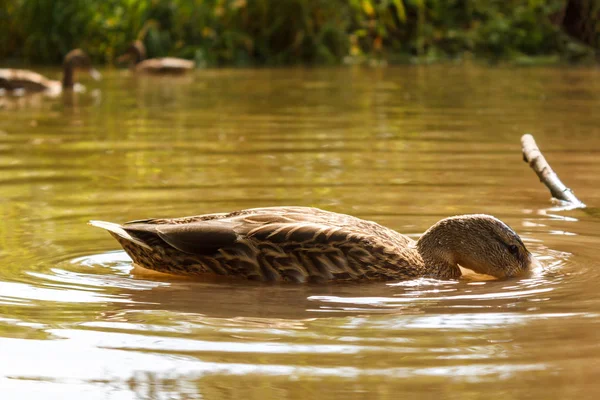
276 32
493 29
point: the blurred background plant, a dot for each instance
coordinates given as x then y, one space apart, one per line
281 32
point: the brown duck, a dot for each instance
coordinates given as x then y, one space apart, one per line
136 54
301 244
29 81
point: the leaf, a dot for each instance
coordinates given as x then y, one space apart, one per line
368 8
400 10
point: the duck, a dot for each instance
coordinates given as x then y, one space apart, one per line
310 245
28 81
136 53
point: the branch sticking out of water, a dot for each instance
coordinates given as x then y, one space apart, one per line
533 155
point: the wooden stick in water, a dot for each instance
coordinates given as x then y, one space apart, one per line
537 162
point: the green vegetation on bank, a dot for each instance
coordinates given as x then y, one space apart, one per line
279 32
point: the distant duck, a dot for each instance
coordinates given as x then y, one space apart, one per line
302 244
28 81
136 54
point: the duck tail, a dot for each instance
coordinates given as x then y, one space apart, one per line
119 231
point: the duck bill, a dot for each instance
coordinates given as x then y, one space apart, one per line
534 263
95 74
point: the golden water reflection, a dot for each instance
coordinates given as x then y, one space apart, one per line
404 146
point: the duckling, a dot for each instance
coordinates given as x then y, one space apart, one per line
136 53
302 244
29 81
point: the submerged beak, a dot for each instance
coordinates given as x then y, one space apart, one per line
95 74
534 263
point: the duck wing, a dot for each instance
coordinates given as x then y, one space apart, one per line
279 243
13 79
165 65
206 234
205 237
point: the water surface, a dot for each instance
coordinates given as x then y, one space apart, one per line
404 146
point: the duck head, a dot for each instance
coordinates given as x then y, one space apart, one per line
77 59
135 53
478 242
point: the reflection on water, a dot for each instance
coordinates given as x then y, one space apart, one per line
403 146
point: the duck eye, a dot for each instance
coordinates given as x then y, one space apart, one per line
513 249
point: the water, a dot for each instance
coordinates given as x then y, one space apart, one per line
404 146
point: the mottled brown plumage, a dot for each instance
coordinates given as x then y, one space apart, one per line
136 53
301 244
29 81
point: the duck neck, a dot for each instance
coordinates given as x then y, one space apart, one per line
438 251
138 57
138 52
68 81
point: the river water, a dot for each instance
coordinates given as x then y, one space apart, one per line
404 146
